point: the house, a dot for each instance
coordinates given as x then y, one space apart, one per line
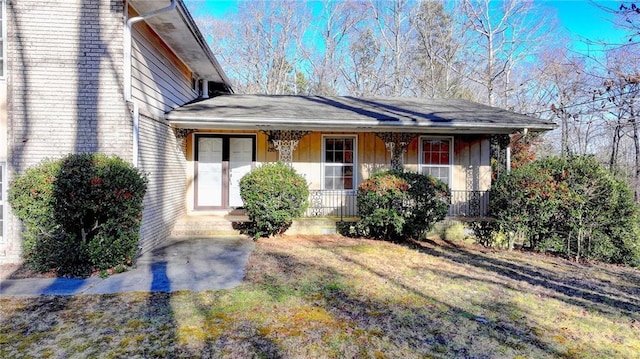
337 142
136 78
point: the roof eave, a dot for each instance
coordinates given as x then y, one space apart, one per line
179 31
359 126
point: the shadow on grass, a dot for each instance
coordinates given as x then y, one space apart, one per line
567 289
433 329
443 321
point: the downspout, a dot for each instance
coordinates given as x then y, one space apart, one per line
127 72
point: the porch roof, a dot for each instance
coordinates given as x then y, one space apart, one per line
319 113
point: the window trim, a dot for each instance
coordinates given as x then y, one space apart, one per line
323 162
422 165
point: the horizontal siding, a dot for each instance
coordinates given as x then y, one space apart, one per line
160 81
161 157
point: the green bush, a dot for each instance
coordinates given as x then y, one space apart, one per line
455 232
571 206
489 234
399 205
273 195
80 213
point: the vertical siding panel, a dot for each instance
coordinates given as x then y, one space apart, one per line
412 156
485 164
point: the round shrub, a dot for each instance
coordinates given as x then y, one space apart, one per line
32 201
81 213
400 205
273 195
574 207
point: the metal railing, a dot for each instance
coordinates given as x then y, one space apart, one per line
469 203
337 203
332 203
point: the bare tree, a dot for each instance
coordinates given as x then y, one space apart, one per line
261 49
435 53
392 19
337 27
500 34
622 90
566 86
364 66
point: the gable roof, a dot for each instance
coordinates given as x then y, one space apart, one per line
318 113
180 32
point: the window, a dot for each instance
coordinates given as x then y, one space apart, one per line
339 162
435 158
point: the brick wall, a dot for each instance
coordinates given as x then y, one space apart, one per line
64 85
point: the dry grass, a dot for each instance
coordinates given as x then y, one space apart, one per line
332 297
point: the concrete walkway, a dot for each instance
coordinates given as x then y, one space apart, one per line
194 264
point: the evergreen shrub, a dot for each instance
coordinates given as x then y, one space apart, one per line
81 213
574 207
398 205
273 195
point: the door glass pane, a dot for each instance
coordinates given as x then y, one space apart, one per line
209 172
240 161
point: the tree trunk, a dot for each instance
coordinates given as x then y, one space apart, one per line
636 145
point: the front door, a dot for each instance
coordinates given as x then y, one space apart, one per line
221 161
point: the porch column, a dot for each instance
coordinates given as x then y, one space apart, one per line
396 144
285 141
181 137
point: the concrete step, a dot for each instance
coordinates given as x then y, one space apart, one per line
203 226
229 224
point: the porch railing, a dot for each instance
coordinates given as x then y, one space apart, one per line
328 203
469 204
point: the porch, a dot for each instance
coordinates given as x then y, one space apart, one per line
343 204
326 208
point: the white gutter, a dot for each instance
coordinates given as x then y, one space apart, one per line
127 44
127 72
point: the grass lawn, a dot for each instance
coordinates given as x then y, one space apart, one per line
332 297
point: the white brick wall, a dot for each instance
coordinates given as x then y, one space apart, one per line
64 85
65 95
65 80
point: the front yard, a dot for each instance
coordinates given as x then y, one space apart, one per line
316 297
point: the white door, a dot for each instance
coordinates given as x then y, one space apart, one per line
209 170
240 160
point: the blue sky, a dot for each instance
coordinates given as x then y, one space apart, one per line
581 18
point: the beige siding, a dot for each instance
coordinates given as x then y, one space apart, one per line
472 163
471 168
160 80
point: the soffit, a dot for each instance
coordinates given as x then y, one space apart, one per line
180 32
